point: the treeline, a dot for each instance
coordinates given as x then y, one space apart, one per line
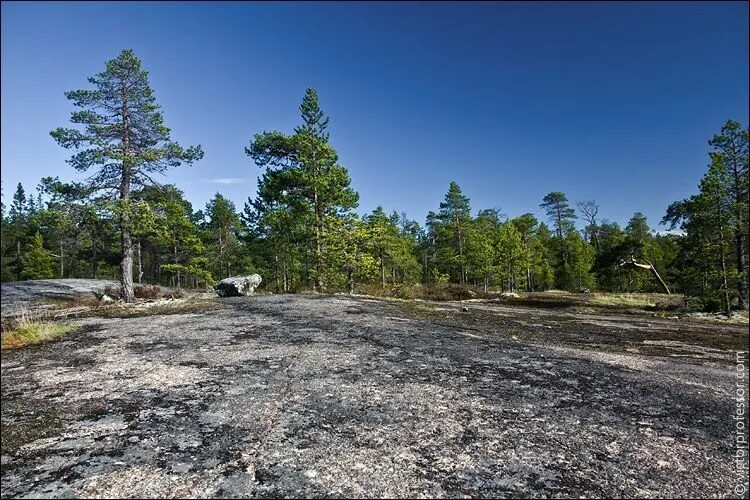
302 232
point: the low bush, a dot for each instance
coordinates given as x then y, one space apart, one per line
148 292
712 304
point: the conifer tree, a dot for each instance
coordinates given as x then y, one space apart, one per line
455 215
318 185
36 262
124 139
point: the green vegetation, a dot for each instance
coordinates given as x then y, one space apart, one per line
36 263
30 328
124 140
301 230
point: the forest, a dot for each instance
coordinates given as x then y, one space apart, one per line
302 231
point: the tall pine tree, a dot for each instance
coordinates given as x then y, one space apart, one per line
123 137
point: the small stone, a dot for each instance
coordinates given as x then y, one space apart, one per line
311 473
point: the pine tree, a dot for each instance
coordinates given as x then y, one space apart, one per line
124 138
732 146
715 203
317 184
561 216
455 216
559 212
482 247
382 234
526 224
223 225
511 255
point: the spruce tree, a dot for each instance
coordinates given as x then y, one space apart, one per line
17 218
36 262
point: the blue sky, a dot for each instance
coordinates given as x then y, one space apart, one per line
607 101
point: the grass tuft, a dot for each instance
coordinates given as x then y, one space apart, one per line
30 328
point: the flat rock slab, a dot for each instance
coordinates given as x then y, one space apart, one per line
60 289
311 396
33 293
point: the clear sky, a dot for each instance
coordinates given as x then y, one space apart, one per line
607 101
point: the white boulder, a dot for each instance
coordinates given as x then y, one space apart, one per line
238 286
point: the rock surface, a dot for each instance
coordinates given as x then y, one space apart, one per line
319 396
35 293
59 289
238 286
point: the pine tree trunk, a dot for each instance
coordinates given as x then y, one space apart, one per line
140 264
286 275
221 258
596 242
62 265
725 284
126 266
382 267
319 285
741 272
529 287
739 200
461 254
94 266
18 259
276 268
723 259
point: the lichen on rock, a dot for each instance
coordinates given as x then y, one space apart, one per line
238 286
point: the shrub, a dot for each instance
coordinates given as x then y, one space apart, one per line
407 291
712 304
148 292
439 278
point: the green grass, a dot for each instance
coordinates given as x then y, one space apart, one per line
646 301
29 331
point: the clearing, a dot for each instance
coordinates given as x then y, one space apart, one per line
315 395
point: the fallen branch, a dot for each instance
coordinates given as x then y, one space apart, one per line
632 264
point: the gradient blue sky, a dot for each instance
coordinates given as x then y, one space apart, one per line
606 101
